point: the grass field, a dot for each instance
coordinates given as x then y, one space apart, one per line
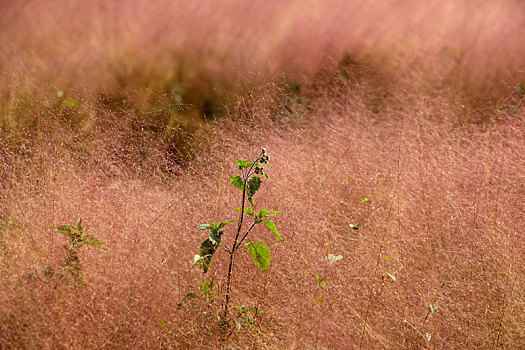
402 118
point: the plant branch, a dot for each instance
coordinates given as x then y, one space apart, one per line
236 239
245 235
225 246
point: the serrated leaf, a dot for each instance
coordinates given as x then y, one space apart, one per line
253 186
333 258
207 250
260 254
203 227
92 241
224 223
64 229
237 181
263 213
271 225
242 164
215 236
247 210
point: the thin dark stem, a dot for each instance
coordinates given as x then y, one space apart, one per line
242 216
235 244
225 246
228 286
245 235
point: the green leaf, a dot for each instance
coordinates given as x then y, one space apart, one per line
392 277
364 200
433 308
66 230
187 298
383 256
263 213
271 225
260 254
243 164
196 259
208 248
429 337
253 186
207 288
79 225
92 241
247 210
333 258
203 227
237 181
224 223
215 236
70 103
241 309
239 325
165 325
320 280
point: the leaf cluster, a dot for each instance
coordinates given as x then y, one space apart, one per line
76 237
249 182
72 269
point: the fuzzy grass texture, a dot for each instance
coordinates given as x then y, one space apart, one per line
417 136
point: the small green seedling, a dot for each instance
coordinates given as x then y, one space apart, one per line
71 272
72 267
